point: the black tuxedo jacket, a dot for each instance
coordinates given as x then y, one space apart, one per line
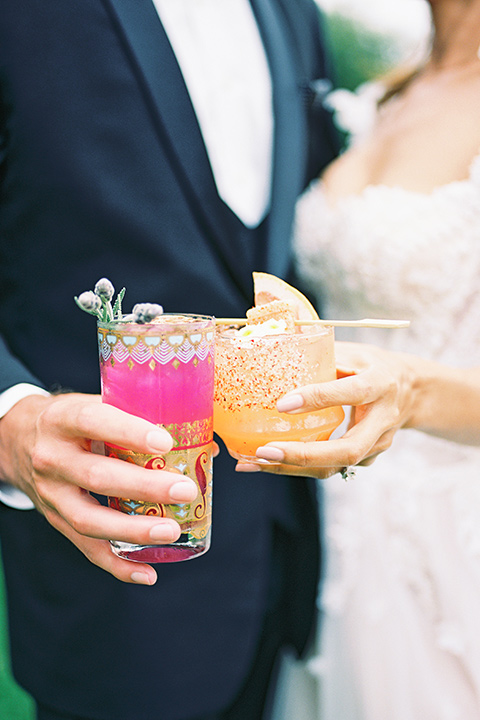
103 172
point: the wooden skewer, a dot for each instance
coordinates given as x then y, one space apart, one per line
365 322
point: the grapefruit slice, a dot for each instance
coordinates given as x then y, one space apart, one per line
267 288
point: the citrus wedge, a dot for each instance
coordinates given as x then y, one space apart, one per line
268 287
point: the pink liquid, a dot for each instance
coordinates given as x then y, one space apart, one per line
164 372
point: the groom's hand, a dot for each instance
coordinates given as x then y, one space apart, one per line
46 451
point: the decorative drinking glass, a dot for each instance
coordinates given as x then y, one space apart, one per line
253 372
163 371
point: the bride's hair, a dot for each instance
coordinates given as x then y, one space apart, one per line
397 80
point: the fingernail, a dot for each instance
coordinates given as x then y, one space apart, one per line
247 467
270 453
163 531
159 440
184 491
143 578
290 402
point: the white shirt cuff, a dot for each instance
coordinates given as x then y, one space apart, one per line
10 397
14 498
10 495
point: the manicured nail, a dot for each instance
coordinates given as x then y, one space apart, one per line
247 467
184 491
159 440
164 532
143 578
270 453
290 402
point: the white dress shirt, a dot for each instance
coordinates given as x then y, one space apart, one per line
218 47
9 494
220 52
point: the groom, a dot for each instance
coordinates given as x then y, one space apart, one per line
163 145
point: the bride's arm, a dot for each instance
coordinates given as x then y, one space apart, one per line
387 391
446 401
422 394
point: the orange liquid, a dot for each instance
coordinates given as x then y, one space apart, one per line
251 374
248 432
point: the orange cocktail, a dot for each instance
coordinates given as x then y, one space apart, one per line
253 372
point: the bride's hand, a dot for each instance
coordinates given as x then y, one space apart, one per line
378 386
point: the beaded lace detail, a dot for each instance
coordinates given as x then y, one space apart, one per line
402 589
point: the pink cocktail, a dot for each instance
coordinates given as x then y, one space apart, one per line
163 371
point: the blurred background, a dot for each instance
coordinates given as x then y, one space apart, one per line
367 38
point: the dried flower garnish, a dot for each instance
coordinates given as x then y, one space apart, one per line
99 303
89 302
146 312
105 290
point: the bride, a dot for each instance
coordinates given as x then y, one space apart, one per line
393 228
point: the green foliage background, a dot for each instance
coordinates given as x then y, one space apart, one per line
15 704
359 53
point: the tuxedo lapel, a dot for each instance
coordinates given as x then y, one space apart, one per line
290 131
167 97
156 66
165 88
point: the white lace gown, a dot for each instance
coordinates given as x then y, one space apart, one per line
401 635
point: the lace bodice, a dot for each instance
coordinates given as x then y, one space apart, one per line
392 252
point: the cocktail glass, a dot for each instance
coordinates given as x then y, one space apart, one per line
252 373
163 371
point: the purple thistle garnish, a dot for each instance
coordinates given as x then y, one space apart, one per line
89 302
146 312
99 303
104 289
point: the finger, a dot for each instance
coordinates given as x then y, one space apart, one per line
350 390
111 476
75 416
88 518
322 454
100 553
107 476
360 442
284 469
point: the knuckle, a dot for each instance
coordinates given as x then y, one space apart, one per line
303 457
87 417
41 459
51 516
51 415
42 489
315 395
95 477
396 416
385 441
364 389
80 522
355 455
